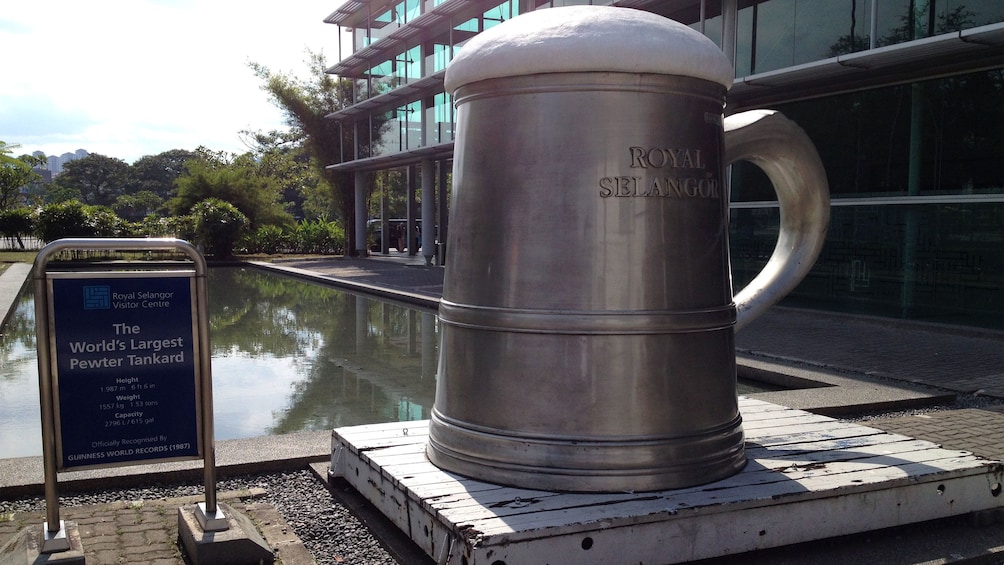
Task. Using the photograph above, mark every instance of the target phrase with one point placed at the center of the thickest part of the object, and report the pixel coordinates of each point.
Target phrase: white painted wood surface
(808, 477)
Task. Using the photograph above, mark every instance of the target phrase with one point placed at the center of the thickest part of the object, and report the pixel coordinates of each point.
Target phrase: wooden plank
(511, 526)
(773, 416)
(712, 536)
(837, 444)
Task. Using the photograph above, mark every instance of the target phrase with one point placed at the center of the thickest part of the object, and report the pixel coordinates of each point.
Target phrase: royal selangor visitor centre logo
(97, 297)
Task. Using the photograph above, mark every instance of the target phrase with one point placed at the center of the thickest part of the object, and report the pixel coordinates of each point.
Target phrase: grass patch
(17, 256)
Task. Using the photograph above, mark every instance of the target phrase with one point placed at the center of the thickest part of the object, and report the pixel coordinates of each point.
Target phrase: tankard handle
(786, 154)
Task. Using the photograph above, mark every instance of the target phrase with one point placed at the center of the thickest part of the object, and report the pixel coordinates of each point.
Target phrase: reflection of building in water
(904, 100)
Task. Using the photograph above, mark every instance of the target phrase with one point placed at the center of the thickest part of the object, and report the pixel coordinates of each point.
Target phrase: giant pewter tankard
(588, 317)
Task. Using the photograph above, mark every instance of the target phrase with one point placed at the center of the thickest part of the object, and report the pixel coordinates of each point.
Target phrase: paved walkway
(969, 362)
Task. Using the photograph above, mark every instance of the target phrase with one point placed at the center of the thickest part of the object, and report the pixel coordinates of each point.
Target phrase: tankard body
(587, 337)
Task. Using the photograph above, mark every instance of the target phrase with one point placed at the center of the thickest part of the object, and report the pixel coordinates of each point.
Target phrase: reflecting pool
(288, 356)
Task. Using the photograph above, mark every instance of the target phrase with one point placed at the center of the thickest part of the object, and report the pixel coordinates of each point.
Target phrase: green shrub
(103, 222)
(16, 223)
(62, 219)
(219, 226)
(267, 239)
(180, 227)
(320, 237)
(71, 218)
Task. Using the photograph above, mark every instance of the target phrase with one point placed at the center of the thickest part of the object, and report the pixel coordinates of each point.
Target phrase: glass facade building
(904, 100)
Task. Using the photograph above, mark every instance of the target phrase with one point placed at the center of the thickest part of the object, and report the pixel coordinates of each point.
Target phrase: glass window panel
(437, 53)
(360, 38)
(559, 3)
(827, 28)
(773, 34)
(411, 69)
(382, 78)
(440, 57)
(744, 42)
(383, 25)
(712, 29)
(439, 120)
(905, 20)
(932, 262)
(984, 12)
(389, 131)
(463, 32)
(773, 40)
(444, 117)
(496, 15)
(413, 125)
(400, 12)
(470, 25)
(411, 10)
(938, 137)
(384, 18)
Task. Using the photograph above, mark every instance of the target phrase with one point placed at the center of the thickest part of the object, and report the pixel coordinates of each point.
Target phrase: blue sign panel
(124, 356)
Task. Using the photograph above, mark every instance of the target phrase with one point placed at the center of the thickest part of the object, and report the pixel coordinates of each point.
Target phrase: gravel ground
(329, 530)
(962, 401)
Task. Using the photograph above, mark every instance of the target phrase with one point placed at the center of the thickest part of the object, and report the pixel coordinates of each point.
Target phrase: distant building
(904, 100)
(56, 164)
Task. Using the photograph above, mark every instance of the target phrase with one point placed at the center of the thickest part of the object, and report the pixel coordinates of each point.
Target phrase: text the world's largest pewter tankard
(588, 318)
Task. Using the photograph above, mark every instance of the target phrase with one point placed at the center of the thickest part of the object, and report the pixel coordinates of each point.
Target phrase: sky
(129, 78)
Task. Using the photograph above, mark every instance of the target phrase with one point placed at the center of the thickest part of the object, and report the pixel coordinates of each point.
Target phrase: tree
(15, 173)
(98, 179)
(305, 104)
(286, 161)
(135, 207)
(157, 173)
(238, 180)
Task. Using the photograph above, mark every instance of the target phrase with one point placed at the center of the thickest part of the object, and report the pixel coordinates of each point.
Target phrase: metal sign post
(124, 368)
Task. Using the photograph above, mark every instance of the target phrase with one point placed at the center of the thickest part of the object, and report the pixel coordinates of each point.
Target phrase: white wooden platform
(809, 477)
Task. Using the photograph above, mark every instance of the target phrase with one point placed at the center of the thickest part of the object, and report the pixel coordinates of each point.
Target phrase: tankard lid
(588, 39)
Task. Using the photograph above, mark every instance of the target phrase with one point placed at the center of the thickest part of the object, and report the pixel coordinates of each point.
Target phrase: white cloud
(127, 78)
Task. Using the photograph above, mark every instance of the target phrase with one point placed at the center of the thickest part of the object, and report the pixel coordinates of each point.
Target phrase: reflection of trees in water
(363, 359)
(340, 392)
(368, 372)
(17, 342)
(259, 313)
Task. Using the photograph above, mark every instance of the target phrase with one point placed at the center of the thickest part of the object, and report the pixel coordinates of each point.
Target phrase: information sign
(125, 367)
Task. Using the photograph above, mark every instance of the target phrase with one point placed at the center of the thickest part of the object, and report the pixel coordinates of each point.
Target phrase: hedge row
(215, 225)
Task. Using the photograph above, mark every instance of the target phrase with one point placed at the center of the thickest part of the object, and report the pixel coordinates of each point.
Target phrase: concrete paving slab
(12, 281)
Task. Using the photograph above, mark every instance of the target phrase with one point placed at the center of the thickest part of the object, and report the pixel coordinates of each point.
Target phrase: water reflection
(336, 358)
(20, 424)
(287, 356)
